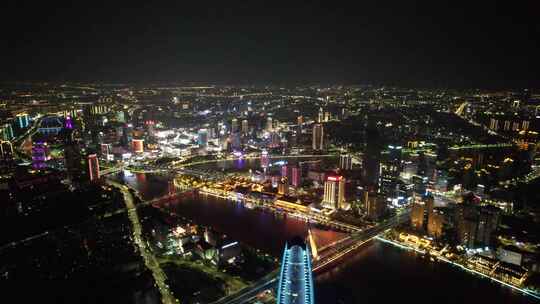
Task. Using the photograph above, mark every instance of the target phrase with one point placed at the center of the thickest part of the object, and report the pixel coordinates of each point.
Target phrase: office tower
(202, 138)
(265, 159)
(234, 125)
(127, 135)
(525, 125)
(327, 116)
(149, 125)
(345, 162)
(7, 132)
(275, 140)
(23, 120)
(283, 186)
(506, 125)
(6, 151)
(300, 120)
(236, 142)
(374, 205)
(121, 116)
(476, 224)
(93, 167)
(320, 116)
(296, 176)
(436, 220)
(269, 124)
(493, 124)
(40, 154)
(245, 127)
(68, 123)
(296, 278)
(417, 213)
(137, 145)
(334, 192)
(318, 137)
(371, 161)
(72, 160)
(284, 171)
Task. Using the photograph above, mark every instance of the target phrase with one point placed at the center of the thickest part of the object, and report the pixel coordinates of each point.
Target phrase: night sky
(439, 45)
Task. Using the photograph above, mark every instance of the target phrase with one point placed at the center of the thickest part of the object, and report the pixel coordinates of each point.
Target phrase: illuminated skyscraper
(417, 213)
(284, 171)
(7, 132)
(72, 159)
(93, 167)
(245, 126)
(283, 186)
(334, 192)
(320, 116)
(300, 120)
(295, 279)
(318, 137)
(202, 137)
(234, 125)
(137, 145)
(265, 159)
(269, 124)
(22, 120)
(296, 176)
(68, 123)
(345, 162)
(6, 151)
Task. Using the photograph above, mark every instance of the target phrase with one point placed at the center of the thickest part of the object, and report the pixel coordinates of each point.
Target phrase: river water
(376, 272)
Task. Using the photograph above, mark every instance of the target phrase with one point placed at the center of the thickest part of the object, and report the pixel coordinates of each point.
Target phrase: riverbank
(405, 246)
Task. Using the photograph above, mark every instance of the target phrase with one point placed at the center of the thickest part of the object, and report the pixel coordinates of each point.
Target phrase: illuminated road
(149, 259)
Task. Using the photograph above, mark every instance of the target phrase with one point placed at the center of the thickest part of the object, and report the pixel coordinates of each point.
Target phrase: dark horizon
(423, 45)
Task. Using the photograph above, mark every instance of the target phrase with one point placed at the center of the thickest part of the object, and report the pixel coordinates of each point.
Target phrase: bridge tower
(296, 279)
(312, 244)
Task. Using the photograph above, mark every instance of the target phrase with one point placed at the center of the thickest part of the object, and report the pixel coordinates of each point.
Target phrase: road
(150, 260)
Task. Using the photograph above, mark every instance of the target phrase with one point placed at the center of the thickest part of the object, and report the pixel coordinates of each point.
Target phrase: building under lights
(137, 145)
(334, 192)
(22, 120)
(318, 137)
(93, 167)
(295, 280)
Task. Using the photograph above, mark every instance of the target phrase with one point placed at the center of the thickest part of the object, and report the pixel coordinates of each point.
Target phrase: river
(376, 272)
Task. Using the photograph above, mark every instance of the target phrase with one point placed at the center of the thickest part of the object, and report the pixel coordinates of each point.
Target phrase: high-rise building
(334, 192)
(300, 120)
(318, 137)
(283, 186)
(265, 159)
(40, 154)
(372, 156)
(6, 151)
(374, 205)
(327, 116)
(137, 145)
(275, 140)
(72, 160)
(269, 124)
(234, 125)
(345, 162)
(7, 132)
(320, 116)
(296, 278)
(23, 120)
(121, 116)
(245, 127)
(68, 123)
(93, 167)
(296, 176)
(476, 224)
(435, 224)
(493, 124)
(418, 210)
(285, 171)
(202, 138)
